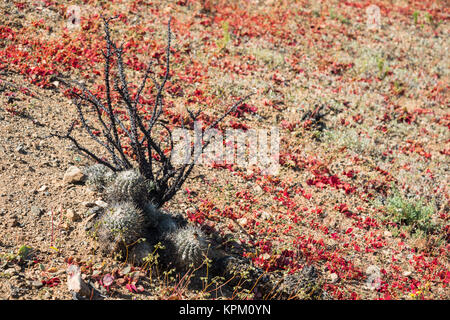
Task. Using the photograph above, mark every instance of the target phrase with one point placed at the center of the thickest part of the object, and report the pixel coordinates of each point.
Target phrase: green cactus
(121, 225)
(188, 246)
(129, 185)
(99, 176)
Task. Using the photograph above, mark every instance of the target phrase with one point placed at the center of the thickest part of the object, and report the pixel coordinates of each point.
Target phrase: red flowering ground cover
(362, 192)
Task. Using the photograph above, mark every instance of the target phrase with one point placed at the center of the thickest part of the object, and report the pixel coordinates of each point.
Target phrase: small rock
(42, 188)
(89, 223)
(242, 222)
(407, 273)
(94, 211)
(36, 284)
(72, 215)
(36, 211)
(101, 203)
(20, 149)
(10, 271)
(74, 281)
(266, 216)
(330, 221)
(334, 278)
(73, 175)
(76, 285)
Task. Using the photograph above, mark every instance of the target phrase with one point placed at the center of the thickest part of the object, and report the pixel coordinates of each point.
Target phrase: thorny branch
(152, 161)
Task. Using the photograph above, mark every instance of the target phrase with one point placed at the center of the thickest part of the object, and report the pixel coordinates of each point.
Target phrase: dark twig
(148, 153)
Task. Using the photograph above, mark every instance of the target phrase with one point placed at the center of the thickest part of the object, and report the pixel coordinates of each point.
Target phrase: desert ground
(359, 205)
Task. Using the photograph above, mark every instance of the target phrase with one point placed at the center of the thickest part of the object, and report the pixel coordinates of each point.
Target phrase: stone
(242, 222)
(36, 211)
(74, 281)
(72, 215)
(36, 284)
(94, 211)
(266, 216)
(101, 203)
(73, 175)
(10, 271)
(78, 287)
(20, 149)
(334, 278)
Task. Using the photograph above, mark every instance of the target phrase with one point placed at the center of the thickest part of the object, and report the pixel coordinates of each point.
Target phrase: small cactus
(129, 185)
(188, 246)
(121, 225)
(99, 176)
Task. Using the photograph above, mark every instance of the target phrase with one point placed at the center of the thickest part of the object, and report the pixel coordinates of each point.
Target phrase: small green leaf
(24, 251)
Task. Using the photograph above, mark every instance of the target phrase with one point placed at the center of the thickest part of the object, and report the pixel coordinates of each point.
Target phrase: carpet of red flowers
(386, 127)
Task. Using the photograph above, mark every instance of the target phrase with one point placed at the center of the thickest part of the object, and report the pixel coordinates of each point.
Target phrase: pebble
(20, 149)
(242, 222)
(101, 203)
(36, 284)
(10, 271)
(72, 215)
(73, 175)
(36, 211)
(266, 216)
(75, 282)
(89, 222)
(334, 278)
(94, 211)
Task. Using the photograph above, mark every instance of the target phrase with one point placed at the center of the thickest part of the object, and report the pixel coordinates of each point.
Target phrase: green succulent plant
(121, 225)
(129, 185)
(188, 246)
(99, 176)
